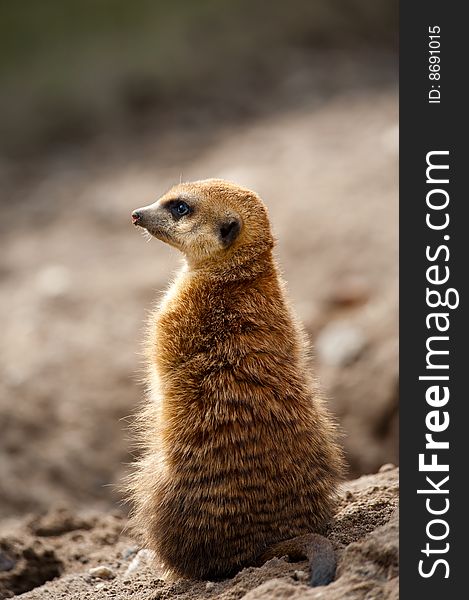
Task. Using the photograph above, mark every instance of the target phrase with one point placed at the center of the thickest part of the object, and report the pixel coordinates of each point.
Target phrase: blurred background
(106, 104)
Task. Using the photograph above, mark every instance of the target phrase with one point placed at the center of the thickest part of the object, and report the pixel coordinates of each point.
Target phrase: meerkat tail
(312, 546)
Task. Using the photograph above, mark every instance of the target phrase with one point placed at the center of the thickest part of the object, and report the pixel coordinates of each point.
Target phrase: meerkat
(239, 452)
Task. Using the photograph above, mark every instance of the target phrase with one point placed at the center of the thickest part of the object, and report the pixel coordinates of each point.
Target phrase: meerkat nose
(136, 217)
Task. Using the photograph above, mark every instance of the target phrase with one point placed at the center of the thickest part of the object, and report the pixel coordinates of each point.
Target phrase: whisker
(146, 235)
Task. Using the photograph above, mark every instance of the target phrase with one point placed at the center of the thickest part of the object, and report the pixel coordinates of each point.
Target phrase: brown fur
(239, 450)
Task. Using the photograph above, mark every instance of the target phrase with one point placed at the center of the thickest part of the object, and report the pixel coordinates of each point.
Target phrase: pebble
(339, 344)
(141, 559)
(209, 585)
(299, 575)
(102, 572)
(129, 552)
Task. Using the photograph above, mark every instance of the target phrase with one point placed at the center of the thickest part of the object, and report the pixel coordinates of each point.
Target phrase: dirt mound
(61, 554)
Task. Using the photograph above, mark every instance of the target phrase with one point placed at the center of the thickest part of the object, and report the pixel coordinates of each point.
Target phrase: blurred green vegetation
(71, 69)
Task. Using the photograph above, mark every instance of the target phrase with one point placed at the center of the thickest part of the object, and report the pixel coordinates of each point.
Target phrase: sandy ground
(77, 281)
(65, 555)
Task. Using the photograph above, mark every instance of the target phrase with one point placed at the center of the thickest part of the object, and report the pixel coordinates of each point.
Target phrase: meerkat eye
(179, 209)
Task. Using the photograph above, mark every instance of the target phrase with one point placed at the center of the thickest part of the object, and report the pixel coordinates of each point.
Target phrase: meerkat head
(208, 221)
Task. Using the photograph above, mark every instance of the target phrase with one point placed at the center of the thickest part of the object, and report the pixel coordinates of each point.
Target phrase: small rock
(102, 572)
(386, 467)
(142, 558)
(298, 575)
(339, 344)
(209, 585)
(129, 552)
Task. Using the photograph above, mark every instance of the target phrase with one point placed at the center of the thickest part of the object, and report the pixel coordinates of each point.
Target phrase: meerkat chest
(191, 320)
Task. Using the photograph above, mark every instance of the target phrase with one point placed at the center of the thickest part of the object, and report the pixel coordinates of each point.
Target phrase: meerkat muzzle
(136, 217)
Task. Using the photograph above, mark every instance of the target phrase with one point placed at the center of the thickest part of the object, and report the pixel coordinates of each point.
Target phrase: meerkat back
(239, 452)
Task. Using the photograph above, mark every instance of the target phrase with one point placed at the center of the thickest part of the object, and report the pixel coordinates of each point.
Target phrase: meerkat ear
(229, 231)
